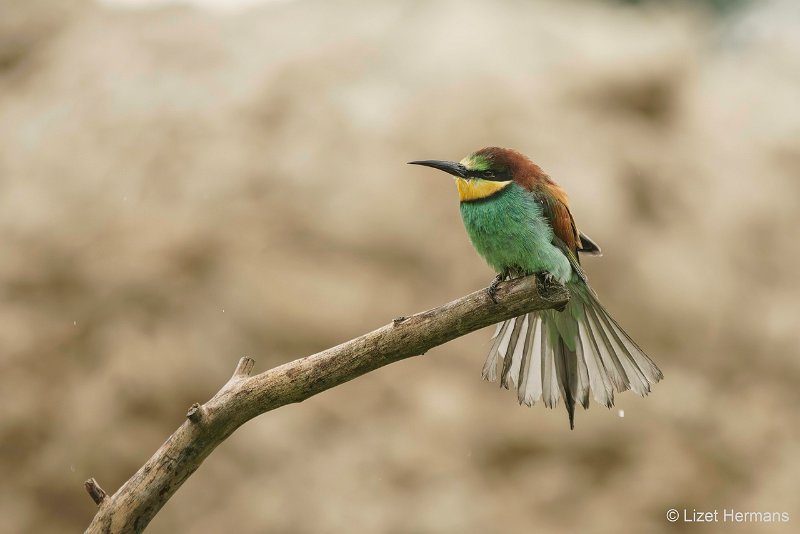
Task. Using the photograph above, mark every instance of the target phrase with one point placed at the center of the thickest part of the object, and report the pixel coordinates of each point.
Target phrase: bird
(518, 219)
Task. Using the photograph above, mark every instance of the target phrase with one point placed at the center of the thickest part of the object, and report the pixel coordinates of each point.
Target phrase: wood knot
(195, 413)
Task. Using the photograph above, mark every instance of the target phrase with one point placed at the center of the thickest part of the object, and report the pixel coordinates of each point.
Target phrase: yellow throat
(476, 189)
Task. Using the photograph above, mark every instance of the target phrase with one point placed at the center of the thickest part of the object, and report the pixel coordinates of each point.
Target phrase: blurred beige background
(181, 185)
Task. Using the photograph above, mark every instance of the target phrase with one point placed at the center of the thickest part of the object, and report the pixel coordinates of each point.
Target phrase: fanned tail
(550, 355)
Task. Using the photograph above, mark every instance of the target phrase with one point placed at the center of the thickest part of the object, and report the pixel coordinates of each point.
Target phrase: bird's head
(482, 174)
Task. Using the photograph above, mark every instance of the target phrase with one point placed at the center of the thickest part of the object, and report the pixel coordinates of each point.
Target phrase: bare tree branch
(132, 507)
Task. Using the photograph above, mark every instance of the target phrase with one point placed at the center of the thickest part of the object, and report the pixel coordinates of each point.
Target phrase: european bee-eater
(519, 220)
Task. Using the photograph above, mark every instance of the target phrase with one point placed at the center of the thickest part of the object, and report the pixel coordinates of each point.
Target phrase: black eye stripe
(494, 176)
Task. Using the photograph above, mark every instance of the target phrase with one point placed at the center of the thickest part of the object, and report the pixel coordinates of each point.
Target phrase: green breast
(509, 231)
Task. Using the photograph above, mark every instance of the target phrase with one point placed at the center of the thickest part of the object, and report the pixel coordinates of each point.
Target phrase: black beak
(450, 167)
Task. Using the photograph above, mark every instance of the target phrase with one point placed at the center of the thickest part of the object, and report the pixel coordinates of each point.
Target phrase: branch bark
(244, 397)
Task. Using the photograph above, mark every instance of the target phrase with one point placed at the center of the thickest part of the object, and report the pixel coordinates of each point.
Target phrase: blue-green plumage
(509, 230)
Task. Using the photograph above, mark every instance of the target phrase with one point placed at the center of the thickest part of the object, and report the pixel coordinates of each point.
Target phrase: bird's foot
(492, 289)
(549, 281)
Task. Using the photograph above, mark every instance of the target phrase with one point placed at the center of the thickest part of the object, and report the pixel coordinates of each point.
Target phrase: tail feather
(490, 367)
(550, 393)
(583, 375)
(599, 381)
(573, 354)
(567, 376)
(515, 350)
(638, 382)
(529, 388)
(512, 379)
(647, 367)
(613, 366)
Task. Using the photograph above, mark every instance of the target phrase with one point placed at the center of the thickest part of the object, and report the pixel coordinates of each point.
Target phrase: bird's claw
(492, 289)
(548, 281)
